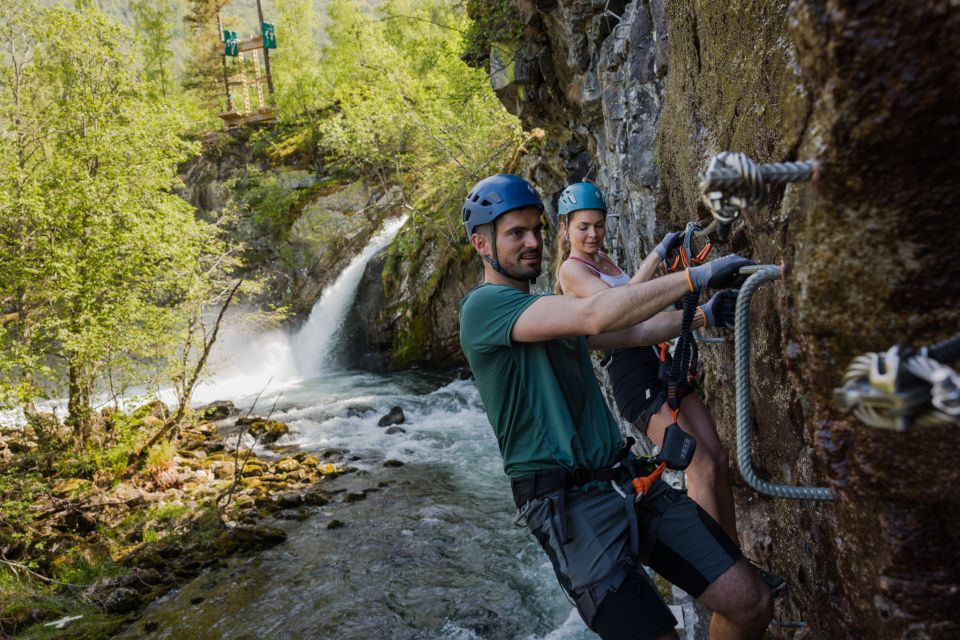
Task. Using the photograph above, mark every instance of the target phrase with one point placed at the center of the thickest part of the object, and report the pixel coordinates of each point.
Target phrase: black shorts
(637, 389)
(586, 535)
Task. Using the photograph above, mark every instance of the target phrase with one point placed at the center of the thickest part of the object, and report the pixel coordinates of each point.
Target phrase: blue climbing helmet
(580, 195)
(494, 196)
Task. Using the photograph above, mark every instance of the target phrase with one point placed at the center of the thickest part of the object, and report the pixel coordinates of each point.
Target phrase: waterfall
(246, 365)
(313, 342)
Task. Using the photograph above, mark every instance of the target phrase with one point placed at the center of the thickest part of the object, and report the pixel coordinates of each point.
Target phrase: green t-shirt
(542, 398)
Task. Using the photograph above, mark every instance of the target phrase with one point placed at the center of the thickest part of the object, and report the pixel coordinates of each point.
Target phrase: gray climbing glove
(720, 311)
(718, 274)
(670, 242)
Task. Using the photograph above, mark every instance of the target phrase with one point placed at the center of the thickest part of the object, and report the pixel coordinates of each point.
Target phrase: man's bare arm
(605, 311)
(660, 328)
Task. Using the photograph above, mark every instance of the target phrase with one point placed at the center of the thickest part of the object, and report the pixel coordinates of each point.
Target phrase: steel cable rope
(760, 274)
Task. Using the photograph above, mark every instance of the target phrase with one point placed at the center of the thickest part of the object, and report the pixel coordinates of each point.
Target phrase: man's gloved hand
(670, 242)
(718, 274)
(721, 310)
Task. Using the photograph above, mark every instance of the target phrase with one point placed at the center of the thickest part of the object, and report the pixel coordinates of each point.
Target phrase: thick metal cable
(761, 274)
(733, 182)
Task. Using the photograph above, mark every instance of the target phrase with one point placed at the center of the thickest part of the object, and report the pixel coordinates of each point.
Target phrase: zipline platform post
(236, 48)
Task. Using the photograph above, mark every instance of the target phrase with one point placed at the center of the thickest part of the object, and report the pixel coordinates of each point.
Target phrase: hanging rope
(900, 388)
(761, 274)
(733, 182)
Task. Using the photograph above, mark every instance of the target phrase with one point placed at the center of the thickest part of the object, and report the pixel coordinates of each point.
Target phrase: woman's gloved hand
(670, 242)
(721, 310)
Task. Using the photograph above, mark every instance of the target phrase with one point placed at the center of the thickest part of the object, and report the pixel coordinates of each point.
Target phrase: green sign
(230, 44)
(269, 35)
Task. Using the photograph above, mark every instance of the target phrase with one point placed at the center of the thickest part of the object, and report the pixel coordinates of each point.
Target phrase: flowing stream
(428, 552)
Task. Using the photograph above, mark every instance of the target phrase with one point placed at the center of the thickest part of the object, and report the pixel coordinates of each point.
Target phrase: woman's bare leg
(708, 477)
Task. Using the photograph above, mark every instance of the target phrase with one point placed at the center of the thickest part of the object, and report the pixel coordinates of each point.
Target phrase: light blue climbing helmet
(494, 196)
(581, 195)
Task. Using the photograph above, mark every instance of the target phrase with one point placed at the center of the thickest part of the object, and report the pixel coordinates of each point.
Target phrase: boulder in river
(394, 417)
(267, 431)
(359, 410)
(217, 410)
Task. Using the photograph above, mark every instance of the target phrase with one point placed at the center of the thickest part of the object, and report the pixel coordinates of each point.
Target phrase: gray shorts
(587, 535)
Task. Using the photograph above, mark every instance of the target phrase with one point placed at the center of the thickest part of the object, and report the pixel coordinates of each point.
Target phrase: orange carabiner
(703, 253)
(642, 484)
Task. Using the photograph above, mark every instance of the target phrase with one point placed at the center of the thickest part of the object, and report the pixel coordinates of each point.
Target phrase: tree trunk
(79, 412)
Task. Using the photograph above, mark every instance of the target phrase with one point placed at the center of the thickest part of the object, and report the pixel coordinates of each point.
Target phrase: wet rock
(393, 430)
(309, 461)
(359, 410)
(258, 536)
(392, 463)
(217, 410)
(288, 465)
(335, 524)
(267, 431)
(316, 496)
(298, 515)
(122, 600)
(288, 499)
(355, 496)
(213, 447)
(394, 417)
(155, 409)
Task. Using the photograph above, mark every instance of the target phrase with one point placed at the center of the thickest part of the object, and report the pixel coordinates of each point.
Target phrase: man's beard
(524, 270)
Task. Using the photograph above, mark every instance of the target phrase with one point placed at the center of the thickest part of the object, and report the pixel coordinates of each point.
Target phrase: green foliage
(99, 257)
(153, 22)
(407, 107)
(492, 21)
(160, 455)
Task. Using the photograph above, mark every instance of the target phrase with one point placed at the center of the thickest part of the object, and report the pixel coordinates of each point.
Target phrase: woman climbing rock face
(583, 269)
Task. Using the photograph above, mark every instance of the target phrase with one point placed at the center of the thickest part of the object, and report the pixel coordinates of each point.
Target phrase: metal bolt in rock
(733, 181)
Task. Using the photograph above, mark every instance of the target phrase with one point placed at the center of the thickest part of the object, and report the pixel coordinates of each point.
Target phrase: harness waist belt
(542, 483)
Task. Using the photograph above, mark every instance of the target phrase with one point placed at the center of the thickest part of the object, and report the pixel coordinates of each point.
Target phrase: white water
(245, 365)
(311, 345)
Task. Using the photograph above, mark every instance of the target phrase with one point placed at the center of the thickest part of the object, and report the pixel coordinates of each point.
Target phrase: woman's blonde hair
(562, 252)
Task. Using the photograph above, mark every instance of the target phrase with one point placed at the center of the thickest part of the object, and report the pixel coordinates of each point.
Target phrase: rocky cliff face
(296, 232)
(638, 96)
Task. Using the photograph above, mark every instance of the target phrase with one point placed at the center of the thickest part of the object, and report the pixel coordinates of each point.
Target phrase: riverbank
(88, 541)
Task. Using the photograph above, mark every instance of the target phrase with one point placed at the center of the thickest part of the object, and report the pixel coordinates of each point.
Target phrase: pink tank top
(613, 281)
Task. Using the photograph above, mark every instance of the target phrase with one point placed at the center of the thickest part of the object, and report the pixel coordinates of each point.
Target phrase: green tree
(302, 95)
(203, 75)
(23, 169)
(153, 24)
(98, 251)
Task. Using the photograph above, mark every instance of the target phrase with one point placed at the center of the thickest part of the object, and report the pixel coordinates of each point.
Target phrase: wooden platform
(232, 119)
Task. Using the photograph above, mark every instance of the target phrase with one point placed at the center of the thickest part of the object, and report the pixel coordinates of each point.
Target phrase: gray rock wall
(638, 96)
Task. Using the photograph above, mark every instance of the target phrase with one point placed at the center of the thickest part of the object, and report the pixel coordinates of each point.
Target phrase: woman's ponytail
(562, 252)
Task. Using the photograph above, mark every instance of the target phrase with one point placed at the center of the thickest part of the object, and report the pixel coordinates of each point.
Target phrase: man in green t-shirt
(561, 446)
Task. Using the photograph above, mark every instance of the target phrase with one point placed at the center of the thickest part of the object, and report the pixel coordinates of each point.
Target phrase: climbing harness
(901, 386)
(733, 181)
(761, 274)
(677, 374)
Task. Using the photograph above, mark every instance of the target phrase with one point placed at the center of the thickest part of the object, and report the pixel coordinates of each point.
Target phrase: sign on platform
(230, 45)
(269, 35)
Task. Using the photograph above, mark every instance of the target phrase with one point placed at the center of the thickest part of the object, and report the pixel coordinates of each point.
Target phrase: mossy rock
(267, 431)
(72, 488)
